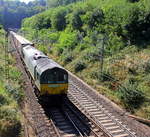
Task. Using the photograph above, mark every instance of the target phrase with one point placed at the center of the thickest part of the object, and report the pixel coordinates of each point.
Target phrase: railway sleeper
(109, 124)
(117, 131)
(106, 121)
(112, 128)
(122, 135)
(69, 135)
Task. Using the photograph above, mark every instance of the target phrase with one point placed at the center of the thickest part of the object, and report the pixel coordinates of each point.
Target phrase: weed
(3, 100)
(68, 58)
(15, 93)
(103, 76)
(79, 66)
(132, 97)
(59, 51)
(147, 66)
(9, 123)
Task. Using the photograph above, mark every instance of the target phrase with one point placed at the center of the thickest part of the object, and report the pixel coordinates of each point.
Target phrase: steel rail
(100, 107)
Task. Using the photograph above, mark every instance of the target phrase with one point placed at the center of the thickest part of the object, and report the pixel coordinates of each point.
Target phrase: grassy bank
(75, 35)
(11, 96)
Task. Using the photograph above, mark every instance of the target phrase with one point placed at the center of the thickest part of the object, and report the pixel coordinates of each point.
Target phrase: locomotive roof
(32, 51)
(21, 39)
(44, 64)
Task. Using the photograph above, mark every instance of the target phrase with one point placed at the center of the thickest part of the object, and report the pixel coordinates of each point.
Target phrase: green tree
(58, 19)
(75, 19)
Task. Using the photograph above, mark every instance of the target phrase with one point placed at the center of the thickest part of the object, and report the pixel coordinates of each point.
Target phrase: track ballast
(89, 104)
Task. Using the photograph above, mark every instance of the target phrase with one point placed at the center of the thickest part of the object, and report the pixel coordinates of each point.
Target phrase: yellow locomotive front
(54, 82)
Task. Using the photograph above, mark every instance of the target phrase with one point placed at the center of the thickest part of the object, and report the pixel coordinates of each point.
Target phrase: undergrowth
(11, 96)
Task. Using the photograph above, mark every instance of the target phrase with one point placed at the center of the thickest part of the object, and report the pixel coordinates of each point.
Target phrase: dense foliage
(56, 3)
(105, 42)
(12, 12)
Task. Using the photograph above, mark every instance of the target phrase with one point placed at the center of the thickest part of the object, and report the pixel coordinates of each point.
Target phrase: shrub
(59, 50)
(92, 55)
(133, 0)
(95, 17)
(104, 76)
(68, 40)
(3, 100)
(9, 123)
(14, 74)
(68, 58)
(40, 22)
(43, 48)
(75, 20)
(53, 37)
(79, 66)
(147, 66)
(15, 93)
(58, 19)
(131, 96)
(81, 47)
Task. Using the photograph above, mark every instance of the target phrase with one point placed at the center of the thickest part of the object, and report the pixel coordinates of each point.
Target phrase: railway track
(70, 122)
(42, 126)
(89, 104)
(66, 121)
(48, 128)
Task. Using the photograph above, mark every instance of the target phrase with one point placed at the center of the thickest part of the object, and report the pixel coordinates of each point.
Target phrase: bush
(147, 66)
(94, 17)
(14, 74)
(3, 100)
(92, 55)
(75, 20)
(79, 66)
(9, 123)
(131, 96)
(133, 0)
(68, 58)
(53, 37)
(82, 47)
(41, 22)
(59, 51)
(68, 40)
(43, 48)
(17, 94)
(104, 76)
(58, 19)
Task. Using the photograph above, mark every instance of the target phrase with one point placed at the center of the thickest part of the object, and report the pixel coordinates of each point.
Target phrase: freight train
(49, 78)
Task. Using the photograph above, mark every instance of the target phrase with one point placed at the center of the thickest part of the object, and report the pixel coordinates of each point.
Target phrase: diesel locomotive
(50, 79)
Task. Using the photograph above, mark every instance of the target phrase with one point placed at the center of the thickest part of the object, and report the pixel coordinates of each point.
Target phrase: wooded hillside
(106, 43)
(12, 12)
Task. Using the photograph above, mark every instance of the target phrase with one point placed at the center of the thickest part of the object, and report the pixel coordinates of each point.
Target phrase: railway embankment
(11, 94)
(100, 105)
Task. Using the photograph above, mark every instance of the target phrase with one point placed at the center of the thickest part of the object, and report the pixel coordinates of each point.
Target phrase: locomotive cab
(53, 85)
(54, 81)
